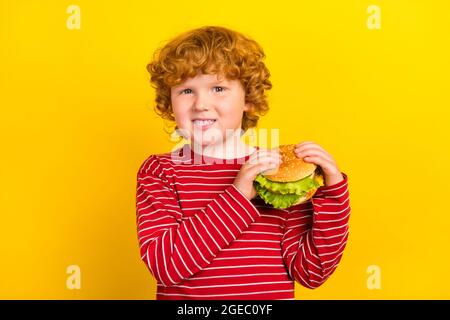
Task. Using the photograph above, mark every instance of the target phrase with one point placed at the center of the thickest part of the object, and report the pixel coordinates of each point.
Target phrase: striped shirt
(201, 238)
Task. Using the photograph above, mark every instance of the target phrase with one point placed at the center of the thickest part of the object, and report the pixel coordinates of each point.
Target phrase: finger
(326, 165)
(304, 143)
(261, 157)
(264, 154)
(263, 167)
(265, 160)
(270, 170)
(274, 150)
(315, 152)
(310, 146)
(256, 155)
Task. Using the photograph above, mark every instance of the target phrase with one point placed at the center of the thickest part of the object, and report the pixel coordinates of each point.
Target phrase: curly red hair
(211, 50)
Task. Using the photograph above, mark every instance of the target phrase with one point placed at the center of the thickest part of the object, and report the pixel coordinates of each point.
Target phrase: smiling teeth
(201, 123)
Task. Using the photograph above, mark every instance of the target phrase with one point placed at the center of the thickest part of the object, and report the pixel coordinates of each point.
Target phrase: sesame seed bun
(292, 168)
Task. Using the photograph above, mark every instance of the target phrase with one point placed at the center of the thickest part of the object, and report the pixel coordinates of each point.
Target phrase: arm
(174, 248)
(315, 235)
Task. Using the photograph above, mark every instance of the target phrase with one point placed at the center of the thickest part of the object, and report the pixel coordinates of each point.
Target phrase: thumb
(263, 168)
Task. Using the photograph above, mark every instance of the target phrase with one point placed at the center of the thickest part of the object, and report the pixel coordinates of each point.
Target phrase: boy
(203, 233)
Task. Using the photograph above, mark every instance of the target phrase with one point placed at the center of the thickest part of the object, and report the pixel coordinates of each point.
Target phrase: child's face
(205, 97)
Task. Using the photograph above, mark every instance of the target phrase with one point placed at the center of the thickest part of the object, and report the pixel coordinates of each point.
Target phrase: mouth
(203, 124)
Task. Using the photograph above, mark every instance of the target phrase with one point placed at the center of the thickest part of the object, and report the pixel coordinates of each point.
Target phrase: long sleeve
(315, 235)
(173, 247)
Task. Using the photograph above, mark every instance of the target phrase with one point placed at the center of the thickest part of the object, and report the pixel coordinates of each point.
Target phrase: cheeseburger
(293, 182)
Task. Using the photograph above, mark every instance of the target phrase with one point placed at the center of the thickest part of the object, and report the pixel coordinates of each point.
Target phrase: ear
(248, 107)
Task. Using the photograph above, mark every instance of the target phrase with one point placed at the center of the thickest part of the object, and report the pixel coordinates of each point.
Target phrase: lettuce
(298, 187)
(282, 195)
(278, 201)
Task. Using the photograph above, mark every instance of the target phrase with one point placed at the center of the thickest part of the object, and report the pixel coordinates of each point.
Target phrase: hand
(259, 161)
(312, 152)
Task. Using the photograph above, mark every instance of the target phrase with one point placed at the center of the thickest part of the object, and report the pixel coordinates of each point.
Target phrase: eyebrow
(217, 81)
(223, 82)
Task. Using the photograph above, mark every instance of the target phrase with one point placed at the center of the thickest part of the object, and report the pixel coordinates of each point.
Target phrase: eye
(221, 89)
(183, 91)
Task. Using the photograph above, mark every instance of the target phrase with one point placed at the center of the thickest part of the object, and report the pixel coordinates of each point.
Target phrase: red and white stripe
(201, 238)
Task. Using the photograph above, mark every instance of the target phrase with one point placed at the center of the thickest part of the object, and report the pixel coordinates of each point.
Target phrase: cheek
(231, 109)
(181, 114)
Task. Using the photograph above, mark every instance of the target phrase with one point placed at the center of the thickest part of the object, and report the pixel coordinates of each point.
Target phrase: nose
(201, 103)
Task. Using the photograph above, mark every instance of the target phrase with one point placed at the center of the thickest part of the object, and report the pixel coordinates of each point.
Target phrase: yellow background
(77, 121)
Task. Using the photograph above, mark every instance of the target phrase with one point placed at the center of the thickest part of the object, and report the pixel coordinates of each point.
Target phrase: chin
(205, 143)
(208, 138)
